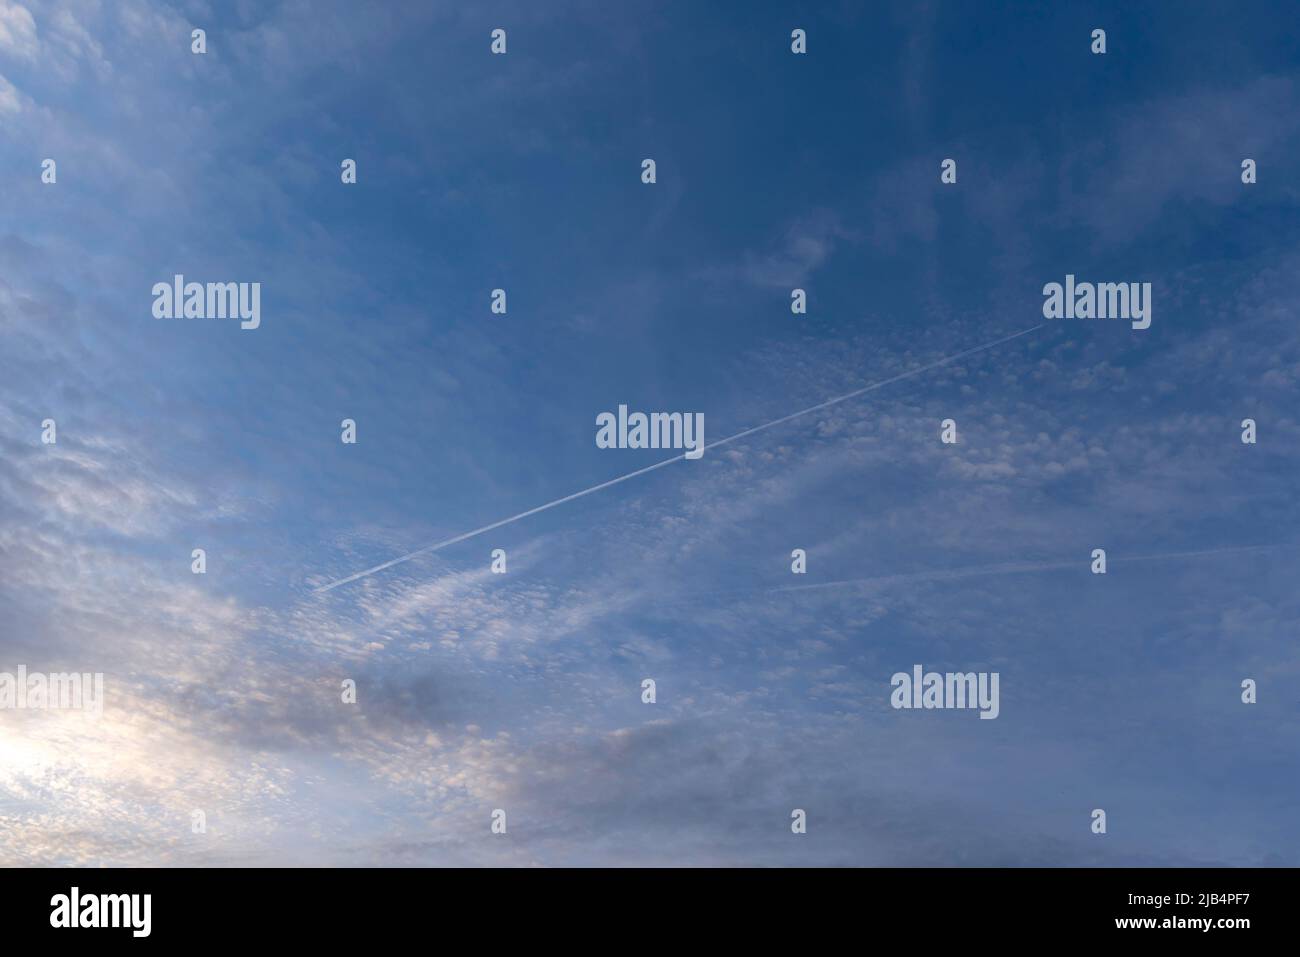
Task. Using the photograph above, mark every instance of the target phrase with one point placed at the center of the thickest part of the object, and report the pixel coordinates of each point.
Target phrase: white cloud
(17, 31)
(12, 100)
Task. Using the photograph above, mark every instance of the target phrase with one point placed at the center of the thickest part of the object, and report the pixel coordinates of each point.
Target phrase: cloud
(1185, 147)
(17, 31)
(12, 100)
(806, 245)
(522, 691)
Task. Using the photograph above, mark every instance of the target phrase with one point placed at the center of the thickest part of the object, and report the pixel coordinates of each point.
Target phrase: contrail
(677, 458)
(971, 571)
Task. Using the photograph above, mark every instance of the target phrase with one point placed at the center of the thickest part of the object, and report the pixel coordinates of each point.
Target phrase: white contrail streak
(677, 458)
(1015, 568)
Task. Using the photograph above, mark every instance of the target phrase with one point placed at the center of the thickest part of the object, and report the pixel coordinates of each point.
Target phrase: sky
(522, 691)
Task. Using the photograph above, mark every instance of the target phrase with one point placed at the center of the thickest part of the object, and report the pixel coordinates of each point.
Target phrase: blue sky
(523, 692)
